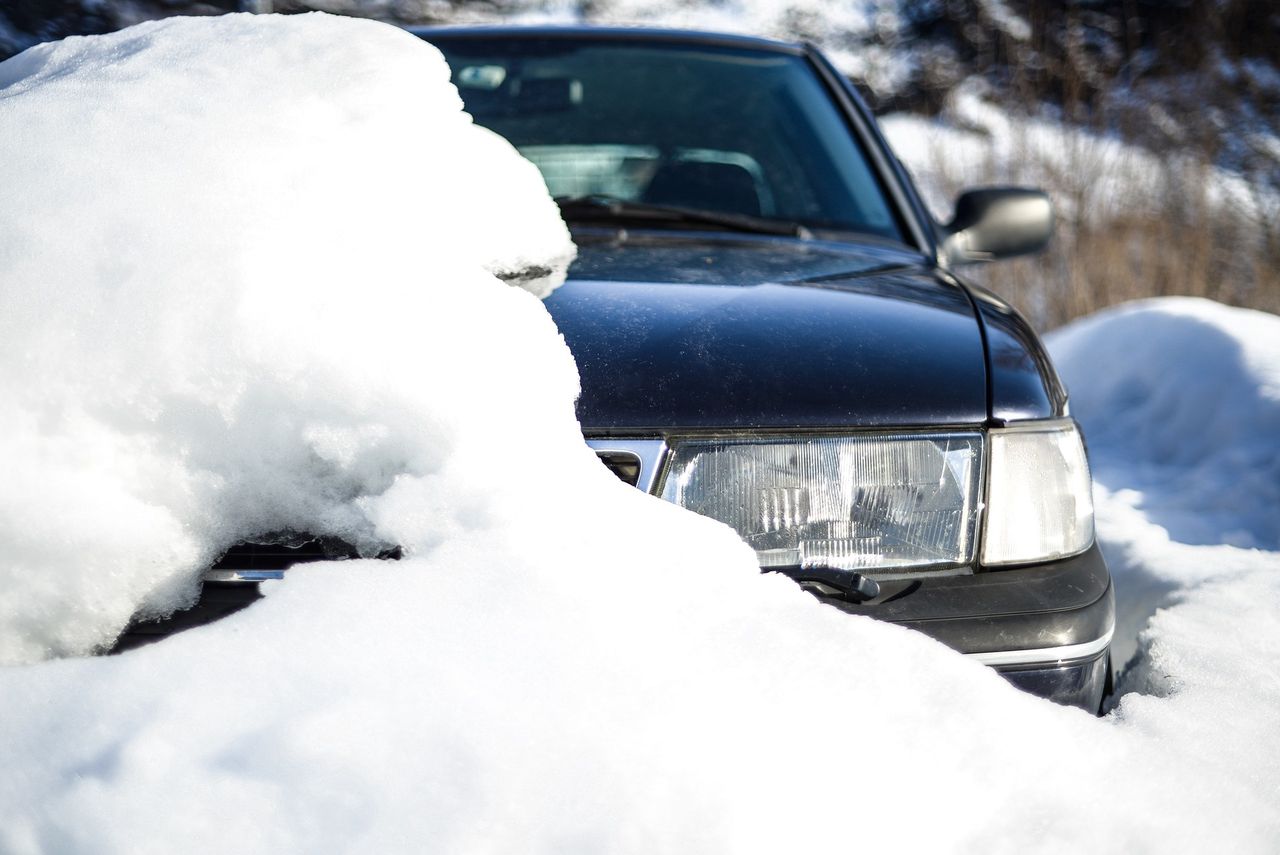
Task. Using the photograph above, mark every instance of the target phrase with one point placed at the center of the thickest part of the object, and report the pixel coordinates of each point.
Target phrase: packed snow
(561, 663)
(224, 245)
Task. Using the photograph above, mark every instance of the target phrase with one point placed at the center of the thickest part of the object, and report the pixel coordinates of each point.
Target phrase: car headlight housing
(1039, 494)
(894, 503)
(856, 502)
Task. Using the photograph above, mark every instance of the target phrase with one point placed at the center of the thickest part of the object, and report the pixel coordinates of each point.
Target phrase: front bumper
(1046, 627)
(1083, 683)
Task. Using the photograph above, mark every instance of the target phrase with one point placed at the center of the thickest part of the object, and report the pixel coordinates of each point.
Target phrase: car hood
(673, 333)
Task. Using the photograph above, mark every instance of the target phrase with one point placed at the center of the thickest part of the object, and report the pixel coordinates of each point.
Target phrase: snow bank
(1181, 401)
(225, 247)
(562, 663)
(1193, 420)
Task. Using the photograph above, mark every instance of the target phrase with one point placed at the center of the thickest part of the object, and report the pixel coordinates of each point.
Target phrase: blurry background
(1155, 124)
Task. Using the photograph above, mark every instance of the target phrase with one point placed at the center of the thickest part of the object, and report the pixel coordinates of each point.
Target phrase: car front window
(727, 129)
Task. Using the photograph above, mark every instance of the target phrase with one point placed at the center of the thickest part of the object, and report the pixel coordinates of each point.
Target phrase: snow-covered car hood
(696, 333)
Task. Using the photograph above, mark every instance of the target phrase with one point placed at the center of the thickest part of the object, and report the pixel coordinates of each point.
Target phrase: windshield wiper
(850, 584)
(610, 208)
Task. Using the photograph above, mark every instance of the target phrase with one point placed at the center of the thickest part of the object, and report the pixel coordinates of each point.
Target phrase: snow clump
(227, 248)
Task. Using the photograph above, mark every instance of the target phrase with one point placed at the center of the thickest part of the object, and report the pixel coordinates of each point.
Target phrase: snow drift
(224, 250)
(561, 663)
(1211, 469)
(1181, 401)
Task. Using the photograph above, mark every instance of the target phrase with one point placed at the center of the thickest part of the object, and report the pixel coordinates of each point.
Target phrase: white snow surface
(224, 247)
(1180, 398)
(1210, 472)
(561, 663)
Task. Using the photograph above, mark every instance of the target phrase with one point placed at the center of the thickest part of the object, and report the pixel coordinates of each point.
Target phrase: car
(771, 331)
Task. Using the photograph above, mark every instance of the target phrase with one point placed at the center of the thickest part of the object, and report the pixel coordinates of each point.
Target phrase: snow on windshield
(248, 287)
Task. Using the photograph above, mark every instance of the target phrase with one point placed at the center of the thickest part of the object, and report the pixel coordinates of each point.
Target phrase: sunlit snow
(247, 286)
(226, 250)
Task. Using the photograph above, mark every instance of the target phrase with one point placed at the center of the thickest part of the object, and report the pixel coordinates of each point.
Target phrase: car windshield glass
(708, 127)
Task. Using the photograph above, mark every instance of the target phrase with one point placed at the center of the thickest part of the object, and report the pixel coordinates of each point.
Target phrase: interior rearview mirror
(998, 222)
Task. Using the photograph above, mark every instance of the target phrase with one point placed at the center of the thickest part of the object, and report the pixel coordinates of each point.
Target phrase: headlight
(853, 502)
(1039, 503)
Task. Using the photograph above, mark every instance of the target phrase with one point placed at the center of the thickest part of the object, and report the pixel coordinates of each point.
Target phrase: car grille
(258, 562)
(636, 461)
(624, 464)
(278, 556)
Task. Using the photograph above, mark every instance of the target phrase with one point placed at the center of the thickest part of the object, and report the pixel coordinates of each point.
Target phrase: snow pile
(562, 663)
(1195, 427)
(224, 250)
(1181, 401)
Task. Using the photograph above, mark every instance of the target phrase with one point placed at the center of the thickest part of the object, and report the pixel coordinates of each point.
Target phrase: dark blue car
(770, 332)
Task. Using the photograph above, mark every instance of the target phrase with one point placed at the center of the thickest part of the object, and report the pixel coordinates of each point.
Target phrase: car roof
(621, 34)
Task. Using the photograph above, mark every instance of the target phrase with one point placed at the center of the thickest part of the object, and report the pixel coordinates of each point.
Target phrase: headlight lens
(853, 502)
(1039, 504)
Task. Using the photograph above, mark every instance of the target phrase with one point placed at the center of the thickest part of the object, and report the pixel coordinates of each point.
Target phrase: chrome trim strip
(1038, 426)
(1045, 655)
(650, 453)
(896, 574)
(241, 575)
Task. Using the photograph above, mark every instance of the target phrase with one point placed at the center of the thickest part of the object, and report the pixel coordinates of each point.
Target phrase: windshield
(726, 129)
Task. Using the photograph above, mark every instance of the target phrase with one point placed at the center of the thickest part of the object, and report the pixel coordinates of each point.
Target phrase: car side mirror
(991, 223)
